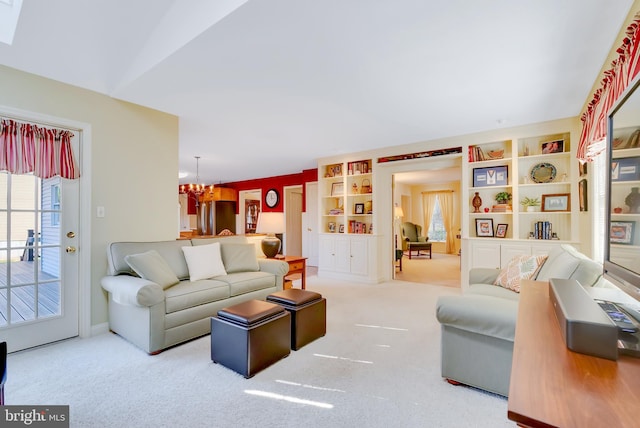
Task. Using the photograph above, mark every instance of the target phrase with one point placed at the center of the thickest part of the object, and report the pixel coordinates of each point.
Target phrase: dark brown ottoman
(308, 314)
(250, 336)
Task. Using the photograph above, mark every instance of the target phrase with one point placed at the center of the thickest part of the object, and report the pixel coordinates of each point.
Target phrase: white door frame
(84, 232)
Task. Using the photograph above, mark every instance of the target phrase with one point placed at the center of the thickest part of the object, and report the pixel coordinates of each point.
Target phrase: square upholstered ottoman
(250, 336)
(308, 314)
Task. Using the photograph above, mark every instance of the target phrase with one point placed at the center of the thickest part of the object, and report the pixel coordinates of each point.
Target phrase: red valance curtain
(27, 148)
(615, 81)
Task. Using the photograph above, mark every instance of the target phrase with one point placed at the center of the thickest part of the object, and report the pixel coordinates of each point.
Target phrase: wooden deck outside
(23, 297)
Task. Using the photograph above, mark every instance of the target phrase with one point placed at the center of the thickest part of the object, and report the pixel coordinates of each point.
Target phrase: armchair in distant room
(412, 240)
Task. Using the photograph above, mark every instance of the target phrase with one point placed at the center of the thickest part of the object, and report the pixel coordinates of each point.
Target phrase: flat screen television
(622, 219)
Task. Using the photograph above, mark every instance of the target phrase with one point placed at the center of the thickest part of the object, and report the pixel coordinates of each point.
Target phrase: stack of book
(542, 230)
(476, 154)
(502, 208)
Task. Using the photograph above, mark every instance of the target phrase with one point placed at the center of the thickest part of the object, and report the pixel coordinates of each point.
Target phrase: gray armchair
(411, 239)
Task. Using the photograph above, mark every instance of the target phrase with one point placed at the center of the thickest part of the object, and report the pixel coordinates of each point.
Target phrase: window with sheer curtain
(438, 216)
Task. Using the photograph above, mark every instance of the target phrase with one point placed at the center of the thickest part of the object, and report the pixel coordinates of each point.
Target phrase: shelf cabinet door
(358, 256)
(485, 255)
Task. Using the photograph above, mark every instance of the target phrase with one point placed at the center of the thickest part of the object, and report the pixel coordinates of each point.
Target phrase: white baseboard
(99, 329)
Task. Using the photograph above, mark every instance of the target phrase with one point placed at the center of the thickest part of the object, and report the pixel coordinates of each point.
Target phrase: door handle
(70, 250)
(71, 234)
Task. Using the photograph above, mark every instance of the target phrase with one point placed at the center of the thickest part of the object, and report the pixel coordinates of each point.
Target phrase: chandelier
(194, 189)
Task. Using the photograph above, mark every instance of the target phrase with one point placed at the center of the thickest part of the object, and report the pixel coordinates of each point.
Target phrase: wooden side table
(297, 265)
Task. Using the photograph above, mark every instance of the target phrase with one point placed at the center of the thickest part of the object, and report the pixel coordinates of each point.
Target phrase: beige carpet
(377, 367)
(442, 269)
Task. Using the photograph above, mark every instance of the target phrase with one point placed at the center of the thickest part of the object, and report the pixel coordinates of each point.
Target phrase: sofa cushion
(519, 268)
(188, 294)
(568, 263)
(151, 266)
(245, 282)
(239, 257)
(204, 261)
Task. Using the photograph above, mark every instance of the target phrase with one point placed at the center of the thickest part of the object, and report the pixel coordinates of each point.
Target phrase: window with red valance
(623, 70)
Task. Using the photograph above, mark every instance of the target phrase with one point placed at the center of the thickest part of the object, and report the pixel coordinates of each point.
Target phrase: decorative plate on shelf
(543, 173)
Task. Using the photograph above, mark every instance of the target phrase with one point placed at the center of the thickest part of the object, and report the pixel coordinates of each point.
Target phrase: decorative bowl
(495, 154)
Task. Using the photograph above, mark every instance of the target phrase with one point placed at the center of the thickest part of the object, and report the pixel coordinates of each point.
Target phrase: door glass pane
(49, 299)
(22, 304)
(23, 192)
(22, 234)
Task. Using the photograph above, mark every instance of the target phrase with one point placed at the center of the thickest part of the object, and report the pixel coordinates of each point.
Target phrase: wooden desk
(297, 265)
(552, 386)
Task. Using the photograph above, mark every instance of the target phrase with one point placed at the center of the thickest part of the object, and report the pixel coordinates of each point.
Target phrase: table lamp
(270, 223)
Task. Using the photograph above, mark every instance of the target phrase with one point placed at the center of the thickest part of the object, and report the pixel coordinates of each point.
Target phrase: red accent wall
(279, 183)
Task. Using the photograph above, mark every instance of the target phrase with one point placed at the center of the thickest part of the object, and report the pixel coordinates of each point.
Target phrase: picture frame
(501, 230)
(341, 228)
(491, 176)
(558, 202)
(337, 189)
(358, 209)
(332, 226)
(582, 195)
(484, 227)
(622, 232)
(625, 169)
(582, 168)
(549, 147)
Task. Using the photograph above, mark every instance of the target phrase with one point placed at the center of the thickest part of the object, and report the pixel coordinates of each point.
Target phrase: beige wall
(133, 165)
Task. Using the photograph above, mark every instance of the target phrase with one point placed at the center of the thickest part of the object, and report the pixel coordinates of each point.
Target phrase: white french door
(39, 270)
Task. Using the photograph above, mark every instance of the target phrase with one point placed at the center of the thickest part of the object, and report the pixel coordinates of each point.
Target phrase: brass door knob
(71, 250)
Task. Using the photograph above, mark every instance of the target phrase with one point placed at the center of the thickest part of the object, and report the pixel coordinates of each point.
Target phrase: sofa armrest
(485, 315)
(274, 266)
(483, 275)
(131, 290)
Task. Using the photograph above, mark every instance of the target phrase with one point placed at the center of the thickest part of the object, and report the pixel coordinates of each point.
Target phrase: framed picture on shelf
(341, 228)
(558, 202)
(501, 230)
(582, 168)
(621, 232)
(484, 227)
(556, 146)
(582, 194)
(332, 227)
(337, 189)
(359, 209)
(625, 169)
(491, 176)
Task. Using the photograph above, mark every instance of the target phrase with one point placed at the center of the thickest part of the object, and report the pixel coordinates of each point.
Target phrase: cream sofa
(478, 328)
(153, 313)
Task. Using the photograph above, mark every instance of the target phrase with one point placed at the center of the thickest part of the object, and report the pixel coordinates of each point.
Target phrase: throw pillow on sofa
(239, 258)
(519, 268)
(204, 261)
(151, 266)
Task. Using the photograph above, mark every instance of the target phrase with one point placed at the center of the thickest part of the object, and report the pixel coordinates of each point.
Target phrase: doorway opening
(425, 197)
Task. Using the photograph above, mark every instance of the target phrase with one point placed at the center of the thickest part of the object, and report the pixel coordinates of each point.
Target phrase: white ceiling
(265, 87)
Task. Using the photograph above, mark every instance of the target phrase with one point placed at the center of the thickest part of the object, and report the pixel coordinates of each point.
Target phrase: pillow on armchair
(411, 233)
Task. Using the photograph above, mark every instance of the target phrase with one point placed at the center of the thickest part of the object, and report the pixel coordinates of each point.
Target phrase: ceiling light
(196, 188)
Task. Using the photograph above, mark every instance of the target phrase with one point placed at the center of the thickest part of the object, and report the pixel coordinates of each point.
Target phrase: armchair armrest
(422, 239)
(131, 290)
(483, 275)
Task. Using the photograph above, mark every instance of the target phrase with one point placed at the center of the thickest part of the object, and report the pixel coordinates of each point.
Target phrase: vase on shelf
(633, 200)
(476, 202)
